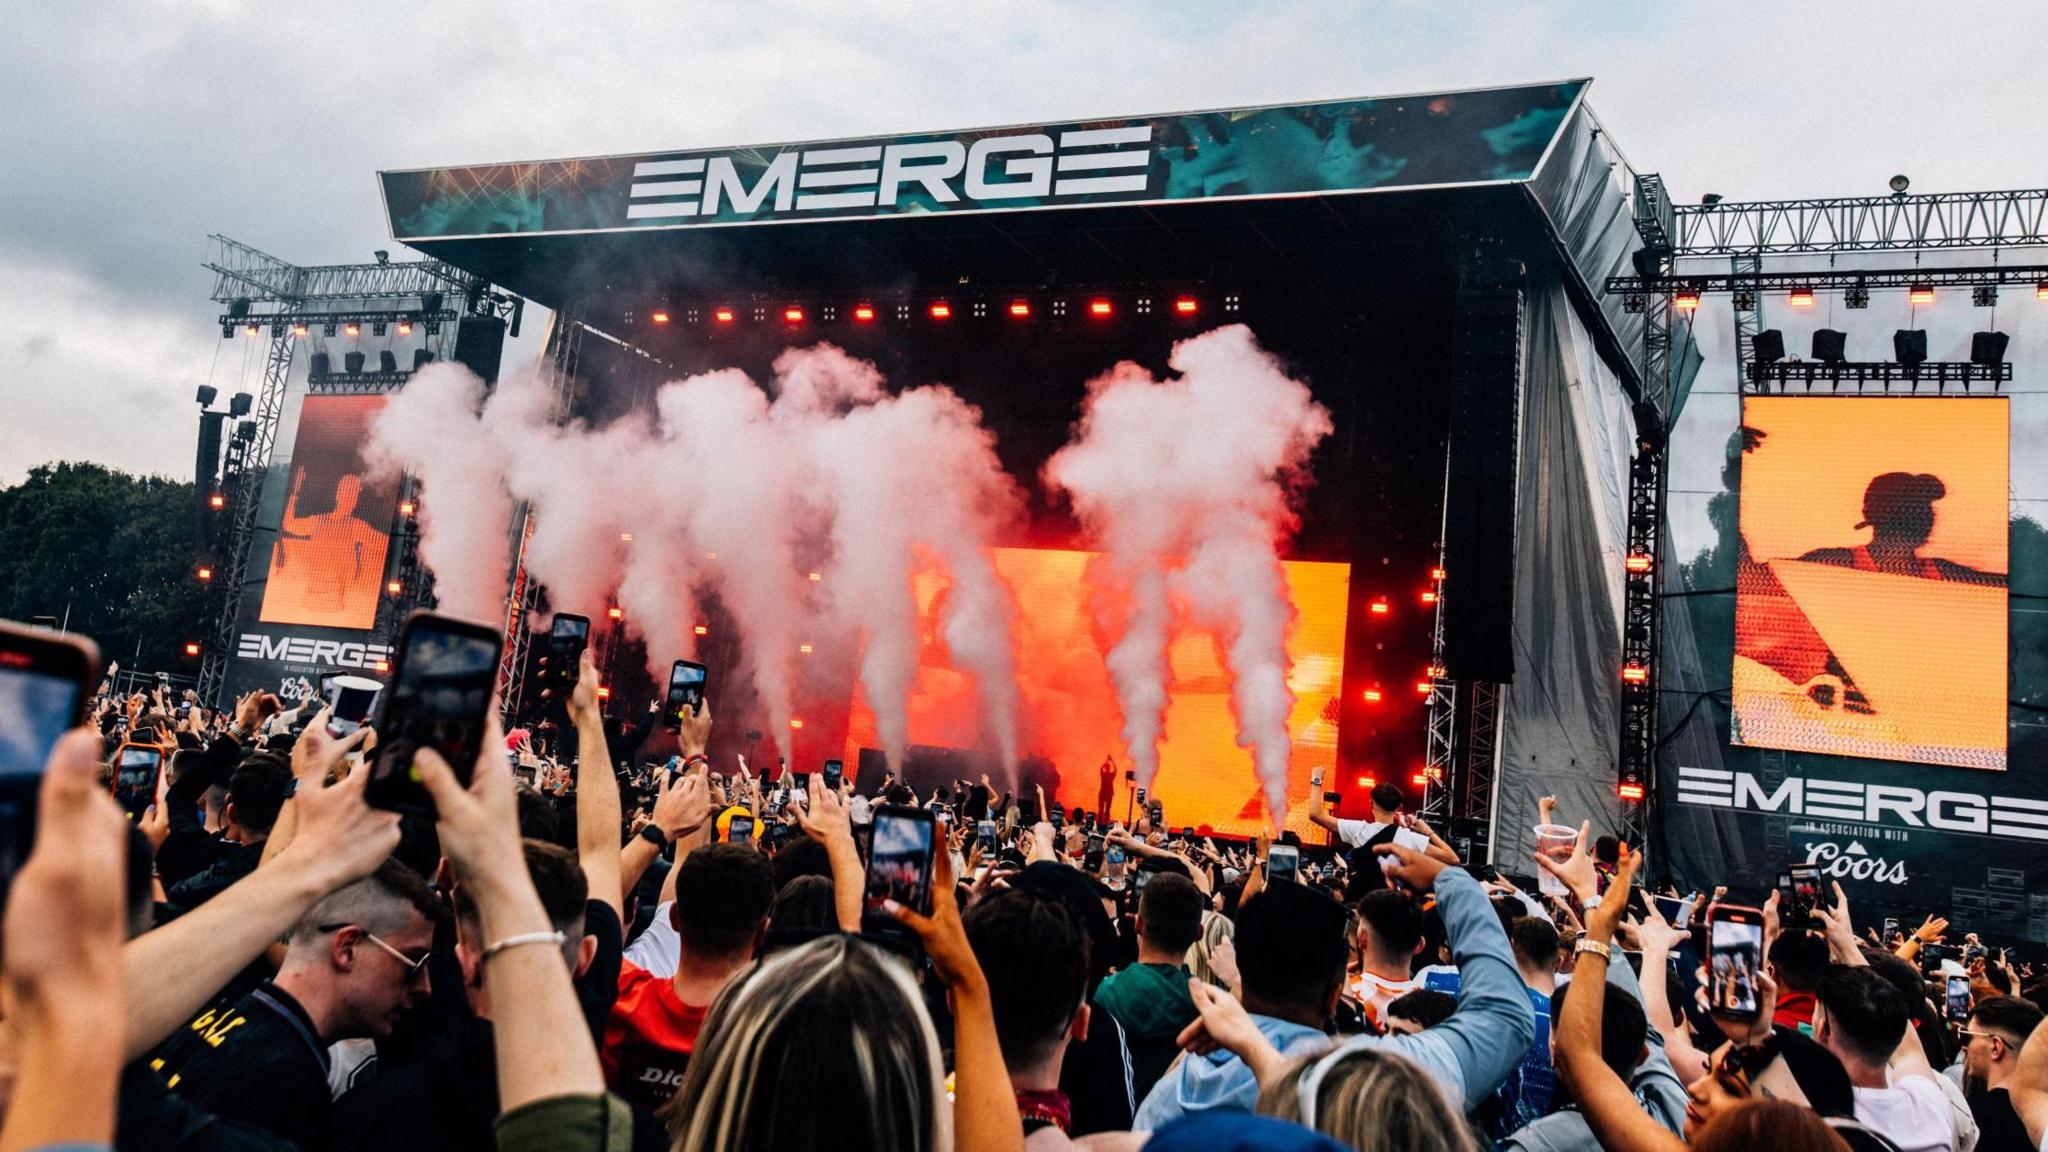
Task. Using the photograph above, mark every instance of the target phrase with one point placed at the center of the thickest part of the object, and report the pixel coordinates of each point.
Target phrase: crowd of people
(571, 952)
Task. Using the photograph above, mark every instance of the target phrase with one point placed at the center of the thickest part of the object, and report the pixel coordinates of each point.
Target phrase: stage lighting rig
(1984, 296)
(207, 394)
(239, 405)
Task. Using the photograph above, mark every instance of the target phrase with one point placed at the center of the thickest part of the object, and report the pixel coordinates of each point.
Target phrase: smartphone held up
(45, 679)
(440, 697)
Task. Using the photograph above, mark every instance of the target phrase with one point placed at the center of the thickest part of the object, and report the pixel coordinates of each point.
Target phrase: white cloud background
(131, 129)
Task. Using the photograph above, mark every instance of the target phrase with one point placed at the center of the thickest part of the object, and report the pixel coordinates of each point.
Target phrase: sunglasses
(413, 968)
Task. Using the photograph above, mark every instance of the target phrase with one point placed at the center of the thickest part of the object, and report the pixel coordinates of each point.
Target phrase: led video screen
(1070, 715)
(327, 567)
(1870, 615)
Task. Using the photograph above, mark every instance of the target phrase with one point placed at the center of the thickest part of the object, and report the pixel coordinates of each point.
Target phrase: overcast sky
(128, 135)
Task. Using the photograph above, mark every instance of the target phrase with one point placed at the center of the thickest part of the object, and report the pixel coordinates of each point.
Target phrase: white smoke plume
(1186, 485)
(722, 492)
(431, 429)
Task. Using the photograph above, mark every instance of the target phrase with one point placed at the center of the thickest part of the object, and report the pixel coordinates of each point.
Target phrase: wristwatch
(655, 836)
(1604, 951)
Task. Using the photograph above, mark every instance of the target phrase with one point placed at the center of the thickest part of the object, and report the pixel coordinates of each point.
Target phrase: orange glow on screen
(1870, 614)
(327, 569)
(1070, 714)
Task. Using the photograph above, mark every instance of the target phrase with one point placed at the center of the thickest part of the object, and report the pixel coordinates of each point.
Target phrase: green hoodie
(1151, 1001)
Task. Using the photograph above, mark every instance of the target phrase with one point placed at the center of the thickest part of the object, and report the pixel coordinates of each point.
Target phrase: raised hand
(1414, 870)
(1576, 871)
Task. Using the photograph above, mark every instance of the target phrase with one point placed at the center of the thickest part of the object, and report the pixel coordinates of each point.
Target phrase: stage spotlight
(1021, 309)
(796, 723)
(1380, 607)
(386, 362)
(239, 405)
(352, 362)
(319, 365)
(430, 301)
(227, 331)
(1988, 348)
(1638, 562)
(276, 329)
(354, 330)
(1909, 346)
(723, 315)
(207, 395)
(1422, 687)
(394, 588)
(192, 648)
(253, 329)
(792, 315)
(1185, 305)
(405, 327)
(1634, 673)
(238, 307)
(1686, 300)
(1800, 297)
(1856, 296)
(1830, 346)
(405, 508)
(815, 576)
(1367, 783)
(1920, 292)
(1742, 300)
(421, 357)
(1899, 184)
(2041, 290)
(1984, 296)
(1768, 346)
(205, 573)
(1098, 308)
(659, 315)
(1429, 597)
(216, 501)
(701, 630)
(1372, 696)
(615, 613)
(1709, 199)
(298, 329)
(1419, 779)
(1629, 791)
(433, 327)
(377, 328)
(1650, 264)
(1436, 574)
(940, 310)
(804, 648)
(864, 313)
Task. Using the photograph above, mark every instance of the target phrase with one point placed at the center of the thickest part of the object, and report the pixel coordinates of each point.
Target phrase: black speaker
(1830, 346)
(421, 357)
(1909, 346)
(1988, 348)
(1768, 346)
(1479, 489)
(386, 362)
(319, 365)
(352, 362)
(430, 301)
(480, 345)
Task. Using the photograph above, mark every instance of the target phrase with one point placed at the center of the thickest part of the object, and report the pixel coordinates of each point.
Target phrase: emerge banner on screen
(1870, 615)
(327, 568)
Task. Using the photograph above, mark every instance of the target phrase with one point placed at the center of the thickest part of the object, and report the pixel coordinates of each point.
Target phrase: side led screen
(1870, 614)
(327, 567)
(1071, 723)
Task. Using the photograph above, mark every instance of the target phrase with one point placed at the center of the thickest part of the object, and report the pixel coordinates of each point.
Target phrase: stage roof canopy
(1189, 198)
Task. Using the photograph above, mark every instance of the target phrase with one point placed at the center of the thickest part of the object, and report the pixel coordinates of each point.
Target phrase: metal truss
(1637, 770)
(1479, 773)
(2030, 276)
(1863, 224)
(244, 493)
(1441, 713)
(242, 272)
(563, 354)
(1937, 374)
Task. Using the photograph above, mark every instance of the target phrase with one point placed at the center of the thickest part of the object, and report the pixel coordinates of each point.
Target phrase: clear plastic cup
(1557, 842)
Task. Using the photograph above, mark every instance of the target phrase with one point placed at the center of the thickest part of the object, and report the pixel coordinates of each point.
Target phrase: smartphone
(740, 830)
(1283, 862)
(45, 679)
(1056, 815)
(1958, 998)
(353, 699)
(1673, 910)
(900, 851)
(1735, 946)
(685, 690)
(1333, 797)
(1139, 881)
(441, 683)
(801, 781)
(835, 775)
(1158, 813)
(136, 768)
(1891, 930)
(1932, 957)
(1407, 838)
(1805, 894)
(1141, 797)
(1113, 860)
(985, 832)
(567, 637)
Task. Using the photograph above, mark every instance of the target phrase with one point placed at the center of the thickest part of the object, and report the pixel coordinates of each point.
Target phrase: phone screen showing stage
(135, 779)
(35, 710)
(900, 858)
(440, 698)
(1735, 958)
(685, 688)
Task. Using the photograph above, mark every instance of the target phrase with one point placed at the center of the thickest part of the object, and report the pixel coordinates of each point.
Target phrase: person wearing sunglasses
(351, 968)
(1997, 1029)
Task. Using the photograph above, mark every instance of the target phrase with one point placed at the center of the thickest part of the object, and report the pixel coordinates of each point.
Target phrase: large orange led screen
(327, 568)
(1870, 610)
(1070, 715)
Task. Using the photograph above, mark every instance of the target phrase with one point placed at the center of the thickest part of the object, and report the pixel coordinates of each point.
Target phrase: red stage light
(354, 330)
(405, 327)
(1634, 673)
(1630, 791)
(205, 573)
(659, 316)
(383, 665)
(191, 648)
(1800, 297)
(1372, 695)
(2041, 290)
(1922, 292)
(1185, 305)
(864, 313)
(1436, 574)
(405, 508)
(1098, 308)
(1020, 308)
(394, 587)
(216, 501)
(941, 310)
(1380, 607)
(1637, 562)
(796, 723)
(701, 630)
(1429, 597)
(615, 612)
(804, 648)
(793, 315)
(722, 315)
(1422, 687)
(1687, 299)
(1435, 670)
(1419, 779)
(252, 329)
(298, 329)
(816, 576)
(1365, 782)
(603, 693)
(626, 537)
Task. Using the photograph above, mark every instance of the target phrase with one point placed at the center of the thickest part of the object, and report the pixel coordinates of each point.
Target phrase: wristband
(655, 836)
(694, 759)
(554, 938)
(1583, 946)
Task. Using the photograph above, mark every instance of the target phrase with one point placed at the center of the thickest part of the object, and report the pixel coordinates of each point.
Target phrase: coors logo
(1854, 863)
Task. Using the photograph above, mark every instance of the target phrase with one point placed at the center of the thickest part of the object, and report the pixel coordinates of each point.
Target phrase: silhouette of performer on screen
(342, 548)
(1898, 508)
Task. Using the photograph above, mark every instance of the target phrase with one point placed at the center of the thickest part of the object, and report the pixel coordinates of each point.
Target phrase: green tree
(115, 552)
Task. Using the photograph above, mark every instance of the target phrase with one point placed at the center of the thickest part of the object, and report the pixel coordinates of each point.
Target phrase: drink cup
(1557, 842)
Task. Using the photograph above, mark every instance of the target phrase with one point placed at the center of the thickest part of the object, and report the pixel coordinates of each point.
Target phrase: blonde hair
(1216, 928)
(823, 1046)
(1373, 1100)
